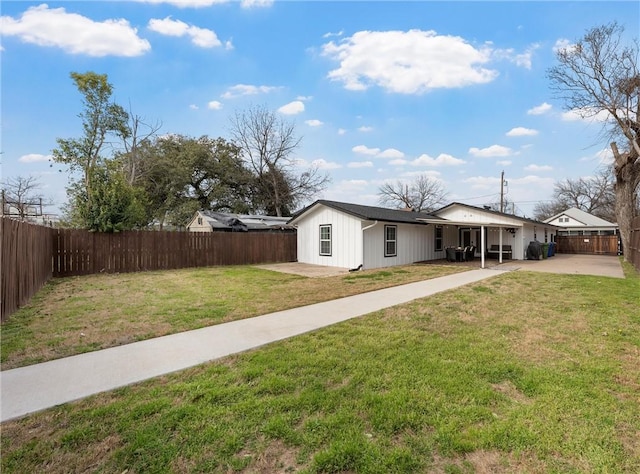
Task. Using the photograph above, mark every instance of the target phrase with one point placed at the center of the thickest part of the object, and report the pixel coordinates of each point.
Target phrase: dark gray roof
(371, 213)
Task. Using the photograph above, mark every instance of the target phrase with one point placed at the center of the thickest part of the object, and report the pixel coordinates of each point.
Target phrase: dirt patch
(275, 458)
(508, 389)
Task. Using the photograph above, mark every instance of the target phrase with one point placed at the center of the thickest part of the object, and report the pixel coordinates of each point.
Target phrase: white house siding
(346, 238)
(415, 243)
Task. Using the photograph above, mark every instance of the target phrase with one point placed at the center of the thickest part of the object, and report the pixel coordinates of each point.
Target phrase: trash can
(545, 250)
(552, 249)
(534, 250)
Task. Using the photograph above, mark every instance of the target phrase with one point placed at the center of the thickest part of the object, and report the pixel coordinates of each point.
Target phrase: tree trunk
(627, 174)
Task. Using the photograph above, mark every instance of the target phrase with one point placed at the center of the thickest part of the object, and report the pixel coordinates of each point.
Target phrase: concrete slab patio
(37, 387)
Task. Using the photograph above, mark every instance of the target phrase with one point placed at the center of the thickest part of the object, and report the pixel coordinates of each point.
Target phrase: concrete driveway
(599, 265)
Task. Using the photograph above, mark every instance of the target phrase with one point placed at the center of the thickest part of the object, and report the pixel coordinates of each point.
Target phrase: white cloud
(365, 129)
(314, 123)
(504, 162)
(341, 131)
(408, 62)
(292, 108)
(364, 150)
(193, 107)
(329, 35)
(484, 182)
(586, 115)
(537, 168)
(522, 132)
(391, 153)
(564, 45)
(214, 105)
(442, 160)
(74, 33)
(246, 89)
(199, 36)
(493, 150)
(304, 98)
(322, 164)
(398, 162)
(360, 164)
(539, 109)
(34, 158)
(186, 3)
(603, 157)
(256, 3)
(521, 59)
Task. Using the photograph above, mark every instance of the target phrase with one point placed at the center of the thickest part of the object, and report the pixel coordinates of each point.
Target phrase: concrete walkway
(37, 387)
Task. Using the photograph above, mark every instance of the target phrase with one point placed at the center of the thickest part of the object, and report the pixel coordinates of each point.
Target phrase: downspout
(363, 229)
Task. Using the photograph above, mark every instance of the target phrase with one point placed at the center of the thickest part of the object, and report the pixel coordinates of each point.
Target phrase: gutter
(363, 229)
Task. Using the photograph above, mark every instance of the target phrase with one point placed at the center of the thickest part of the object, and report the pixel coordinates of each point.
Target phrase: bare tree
(21, 197)
(268, 143)
(592, 194)
(599, 75)
(137, 132)
(424, 193)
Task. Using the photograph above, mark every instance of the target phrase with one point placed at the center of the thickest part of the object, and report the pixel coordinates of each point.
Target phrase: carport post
(500, 245)
(482, 246)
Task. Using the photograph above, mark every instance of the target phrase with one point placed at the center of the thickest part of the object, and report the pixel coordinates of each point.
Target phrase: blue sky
(378, 90)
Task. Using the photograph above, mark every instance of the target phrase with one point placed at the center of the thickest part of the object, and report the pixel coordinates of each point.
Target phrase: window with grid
(390, 240)
(325, 240)
(438, 243)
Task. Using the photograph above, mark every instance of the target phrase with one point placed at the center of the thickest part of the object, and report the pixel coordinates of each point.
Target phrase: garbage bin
(545, 250)
(534, 250)
(552, 249)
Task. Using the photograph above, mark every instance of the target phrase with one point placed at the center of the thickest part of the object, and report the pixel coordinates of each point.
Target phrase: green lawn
(75, 315)
(524, 372)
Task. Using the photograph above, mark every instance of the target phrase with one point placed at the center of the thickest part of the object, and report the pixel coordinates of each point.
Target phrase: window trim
(321, 240)
(387, 241)
(438, 240)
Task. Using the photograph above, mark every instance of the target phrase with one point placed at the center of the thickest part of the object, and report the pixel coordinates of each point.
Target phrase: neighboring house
(210, 221)
(349, 235)
(575, 221)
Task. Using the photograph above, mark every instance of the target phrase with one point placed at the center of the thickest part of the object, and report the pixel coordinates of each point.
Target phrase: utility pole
(502, 191)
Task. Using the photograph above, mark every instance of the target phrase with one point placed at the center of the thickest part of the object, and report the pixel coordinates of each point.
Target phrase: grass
(524, 372)
(75, 315)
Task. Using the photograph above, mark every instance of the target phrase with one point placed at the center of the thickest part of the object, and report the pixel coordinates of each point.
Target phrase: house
(210, 221)
(349, 235)
(575, 221)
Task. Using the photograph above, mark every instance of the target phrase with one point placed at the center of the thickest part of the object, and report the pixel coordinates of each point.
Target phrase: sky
(378, 91)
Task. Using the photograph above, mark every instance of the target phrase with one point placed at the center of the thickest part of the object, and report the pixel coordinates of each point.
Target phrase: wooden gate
(587, 244)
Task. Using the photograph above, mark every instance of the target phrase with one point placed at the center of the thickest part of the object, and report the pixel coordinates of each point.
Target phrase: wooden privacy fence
(25, 262)
(32, 254)
(77, 252)
(588, 244)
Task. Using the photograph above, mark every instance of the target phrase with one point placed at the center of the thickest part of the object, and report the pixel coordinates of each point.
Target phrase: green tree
(115, 205)
(102, 120)
(182, 174)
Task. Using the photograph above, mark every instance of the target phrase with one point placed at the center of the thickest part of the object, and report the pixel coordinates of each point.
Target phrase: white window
(390, 240)
(325, 240)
